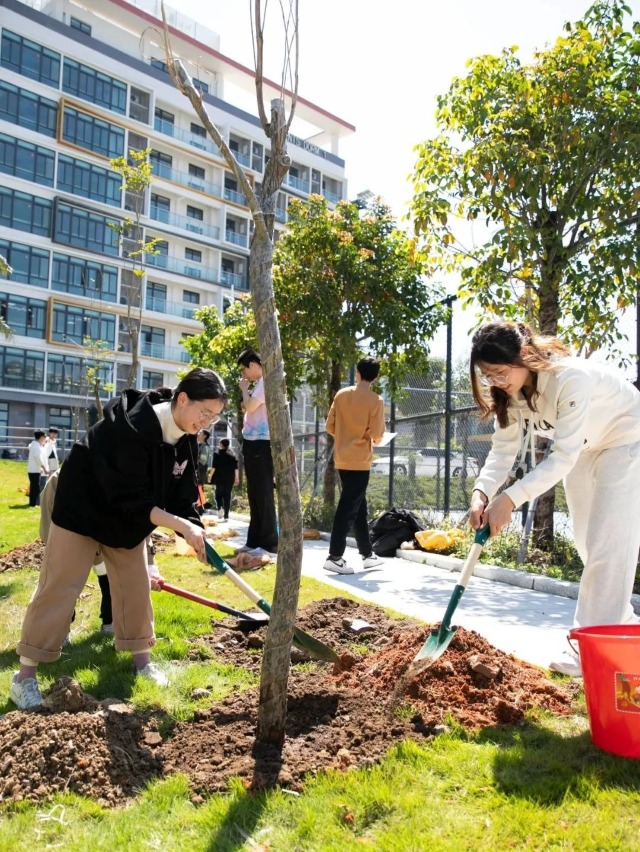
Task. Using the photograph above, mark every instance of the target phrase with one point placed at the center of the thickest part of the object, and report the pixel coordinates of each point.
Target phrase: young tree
(276, 659)
(137, 176)
(546, 156)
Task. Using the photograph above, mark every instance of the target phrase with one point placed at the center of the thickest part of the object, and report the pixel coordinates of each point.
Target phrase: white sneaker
(220, 513)
(151, 672)
(567, 664)
(25, 695)
(338, 565)
(372, 561)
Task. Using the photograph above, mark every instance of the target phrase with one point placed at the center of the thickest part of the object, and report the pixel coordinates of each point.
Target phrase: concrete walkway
(529, 623)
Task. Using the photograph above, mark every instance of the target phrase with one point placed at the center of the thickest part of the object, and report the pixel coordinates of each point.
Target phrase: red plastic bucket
(610, 659)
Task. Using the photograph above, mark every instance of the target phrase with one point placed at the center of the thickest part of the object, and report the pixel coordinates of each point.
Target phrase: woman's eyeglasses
(207, 417)
(500, 380)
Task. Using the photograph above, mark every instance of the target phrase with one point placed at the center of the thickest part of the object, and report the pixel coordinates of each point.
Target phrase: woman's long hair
(514, 344)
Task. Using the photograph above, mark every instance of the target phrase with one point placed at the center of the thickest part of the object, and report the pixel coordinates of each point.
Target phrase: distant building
(80, 85)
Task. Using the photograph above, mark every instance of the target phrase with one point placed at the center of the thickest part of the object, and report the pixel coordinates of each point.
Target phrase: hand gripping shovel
(247, 620)
(440, 637)
(301, 639)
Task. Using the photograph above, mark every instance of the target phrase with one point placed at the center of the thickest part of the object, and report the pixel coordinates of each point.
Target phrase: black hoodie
(111, 480)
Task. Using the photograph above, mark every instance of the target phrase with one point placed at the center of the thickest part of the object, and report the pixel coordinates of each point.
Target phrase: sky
(381, 66)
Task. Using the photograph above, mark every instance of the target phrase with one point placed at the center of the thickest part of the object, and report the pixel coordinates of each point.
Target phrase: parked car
(428, 462)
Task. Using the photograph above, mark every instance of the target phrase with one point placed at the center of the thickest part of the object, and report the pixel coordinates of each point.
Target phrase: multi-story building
(82, 84)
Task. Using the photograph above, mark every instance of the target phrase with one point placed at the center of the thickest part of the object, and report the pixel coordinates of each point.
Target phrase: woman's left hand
(497, 514)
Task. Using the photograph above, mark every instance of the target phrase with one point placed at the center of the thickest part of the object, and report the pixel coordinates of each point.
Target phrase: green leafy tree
(544, 158)
(348, 281)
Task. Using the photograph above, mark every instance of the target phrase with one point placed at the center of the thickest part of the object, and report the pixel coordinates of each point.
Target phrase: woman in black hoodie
(135, 469)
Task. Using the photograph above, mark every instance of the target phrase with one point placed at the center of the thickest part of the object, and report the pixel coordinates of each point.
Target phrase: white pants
(603, 495)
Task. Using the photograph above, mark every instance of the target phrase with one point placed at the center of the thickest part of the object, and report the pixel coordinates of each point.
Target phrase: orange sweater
(356, 422)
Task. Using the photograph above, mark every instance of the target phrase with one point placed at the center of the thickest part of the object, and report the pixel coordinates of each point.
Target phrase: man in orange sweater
(356, 423)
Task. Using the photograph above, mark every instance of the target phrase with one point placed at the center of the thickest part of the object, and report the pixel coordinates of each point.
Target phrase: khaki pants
(67, 560)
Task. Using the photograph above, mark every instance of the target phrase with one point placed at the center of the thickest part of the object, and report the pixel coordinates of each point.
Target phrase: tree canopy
(545, 157)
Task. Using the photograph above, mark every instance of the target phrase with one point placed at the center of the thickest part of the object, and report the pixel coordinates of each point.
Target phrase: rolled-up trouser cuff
(38, 655)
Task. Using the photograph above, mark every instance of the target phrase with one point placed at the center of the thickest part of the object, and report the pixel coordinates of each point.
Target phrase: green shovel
(440, 637)
(301, 639)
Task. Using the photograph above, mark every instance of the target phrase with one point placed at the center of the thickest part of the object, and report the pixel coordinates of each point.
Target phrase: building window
(27, 161)
(30, 59)
(191, 297)
(196, 171)
(92, 134)
(60, 417)
(164, 121)
(151, 379)
(84, 278)
(25, 212)
(94, 86)
(156, 297)
(75, 226)
(20, 106)
(257, 155)
(68, 374)
(90, 181)
(21, 368)
(161, 164)
(152, 341)
(159, 64)
(195, 213)
(200, 85)
(75, 323)
(139, 105)
(160, 208)
(193, 254)
(77, 24)
(23, 315)
(198, 130)
(30, 265)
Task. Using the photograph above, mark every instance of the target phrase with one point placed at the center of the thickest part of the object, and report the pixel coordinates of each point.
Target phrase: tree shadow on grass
(542, 766)
(238, 824)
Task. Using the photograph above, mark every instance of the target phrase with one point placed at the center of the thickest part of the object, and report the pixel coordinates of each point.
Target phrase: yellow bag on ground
(438, 539)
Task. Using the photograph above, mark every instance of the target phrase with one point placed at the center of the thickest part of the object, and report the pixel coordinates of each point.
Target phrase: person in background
(203, 455)
(135, 469)
(224, 475)
(51, 448)
(36, 466)
(592, 413)
(356, 423)
(256, 451)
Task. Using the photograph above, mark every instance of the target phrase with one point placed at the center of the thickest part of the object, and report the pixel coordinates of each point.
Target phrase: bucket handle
(575, 650)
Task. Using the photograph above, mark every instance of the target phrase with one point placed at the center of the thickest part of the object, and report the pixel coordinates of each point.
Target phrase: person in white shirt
(52, 449)
(592, 414)
(256, 451)
(36, 466)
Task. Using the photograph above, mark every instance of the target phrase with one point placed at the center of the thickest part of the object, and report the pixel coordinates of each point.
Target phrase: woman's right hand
(195, 537)
(476, 509)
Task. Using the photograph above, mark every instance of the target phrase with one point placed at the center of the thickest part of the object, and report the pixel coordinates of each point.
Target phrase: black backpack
(391, 528)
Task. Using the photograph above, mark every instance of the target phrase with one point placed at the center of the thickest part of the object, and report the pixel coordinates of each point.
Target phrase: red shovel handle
(190, 596)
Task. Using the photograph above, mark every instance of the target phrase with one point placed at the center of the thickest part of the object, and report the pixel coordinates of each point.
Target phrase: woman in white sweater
(592, 414)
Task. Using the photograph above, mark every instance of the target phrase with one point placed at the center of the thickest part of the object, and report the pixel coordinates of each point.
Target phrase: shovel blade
(437, 643)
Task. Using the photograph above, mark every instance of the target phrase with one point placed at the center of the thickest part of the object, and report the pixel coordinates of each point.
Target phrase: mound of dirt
(26, 556)
(338, 717)
(105, 754)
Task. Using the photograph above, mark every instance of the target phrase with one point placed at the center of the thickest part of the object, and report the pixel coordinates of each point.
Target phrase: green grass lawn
(542, 786)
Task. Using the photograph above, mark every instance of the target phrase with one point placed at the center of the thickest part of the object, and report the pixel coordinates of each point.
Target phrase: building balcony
(164, 352)
(235, 238)
(186, 223)
(201, 142)
(182, 267)
(298, 183)
(174, 309)
(232, 279)
(233, 195)
(185, 179)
